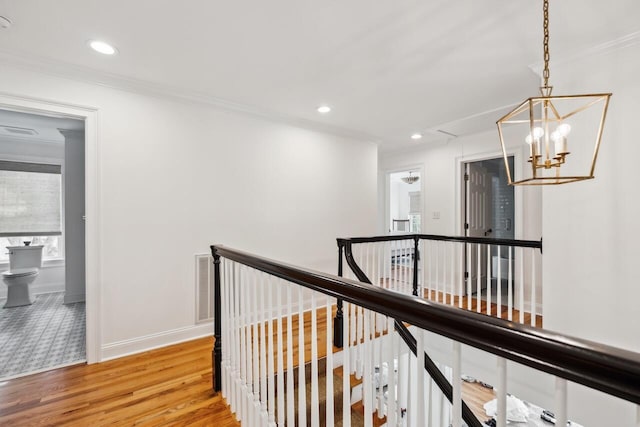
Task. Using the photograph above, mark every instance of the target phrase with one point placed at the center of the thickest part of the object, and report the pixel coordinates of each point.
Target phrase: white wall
(591, 228)
(175, 177)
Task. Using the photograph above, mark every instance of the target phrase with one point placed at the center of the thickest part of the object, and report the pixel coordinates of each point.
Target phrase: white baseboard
(149, 342)
(73, 298)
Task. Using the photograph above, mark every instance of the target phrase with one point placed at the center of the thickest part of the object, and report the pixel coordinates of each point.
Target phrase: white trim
(619, 43)
(114, 81)
(158, 340)
(93, 262)
(517, 193)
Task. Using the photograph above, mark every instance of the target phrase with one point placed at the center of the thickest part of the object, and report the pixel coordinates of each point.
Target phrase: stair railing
(498, 277)
(261, 304)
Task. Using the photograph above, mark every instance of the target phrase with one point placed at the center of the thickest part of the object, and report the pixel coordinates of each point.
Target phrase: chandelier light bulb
(564, 129)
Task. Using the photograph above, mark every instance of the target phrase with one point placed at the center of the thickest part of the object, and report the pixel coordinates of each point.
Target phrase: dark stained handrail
(609, 369)
(463, 239)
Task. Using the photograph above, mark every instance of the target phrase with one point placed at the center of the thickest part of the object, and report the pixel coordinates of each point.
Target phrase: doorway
(488, 203)
(50, 331)
(404, 201)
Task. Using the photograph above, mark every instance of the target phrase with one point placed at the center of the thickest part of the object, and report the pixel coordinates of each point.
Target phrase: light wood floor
(171, 386)
(167, 387)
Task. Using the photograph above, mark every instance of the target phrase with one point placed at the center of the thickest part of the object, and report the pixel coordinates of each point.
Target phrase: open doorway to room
(404, 201)
(42, 242)
(488, 210)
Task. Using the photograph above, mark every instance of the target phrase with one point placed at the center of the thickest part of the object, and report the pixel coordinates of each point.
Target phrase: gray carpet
(43, 335)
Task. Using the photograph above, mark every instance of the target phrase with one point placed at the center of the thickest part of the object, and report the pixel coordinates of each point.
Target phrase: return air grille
(204, 288)
(19, 131)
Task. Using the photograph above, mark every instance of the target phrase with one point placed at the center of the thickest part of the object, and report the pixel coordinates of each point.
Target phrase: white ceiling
(388, 68)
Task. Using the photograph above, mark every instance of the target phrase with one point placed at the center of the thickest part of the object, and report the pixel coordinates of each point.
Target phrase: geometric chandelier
(563, 133)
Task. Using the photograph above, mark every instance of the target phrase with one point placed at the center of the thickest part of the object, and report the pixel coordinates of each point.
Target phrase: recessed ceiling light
(102, 47)
(416, 136)
(324, 109)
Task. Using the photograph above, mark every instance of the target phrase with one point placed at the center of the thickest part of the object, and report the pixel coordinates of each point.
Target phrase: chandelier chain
(545, 73)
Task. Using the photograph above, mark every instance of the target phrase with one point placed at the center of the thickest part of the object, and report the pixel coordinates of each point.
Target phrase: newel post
(216, 353)
(338, 339)
(416, 258)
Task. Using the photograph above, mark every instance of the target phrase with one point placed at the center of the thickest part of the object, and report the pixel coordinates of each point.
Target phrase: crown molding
(620, 43)
(119, 82)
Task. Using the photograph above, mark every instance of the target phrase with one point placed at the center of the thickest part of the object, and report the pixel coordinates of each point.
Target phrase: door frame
(89, 115)
(517, 190)
(387, 193)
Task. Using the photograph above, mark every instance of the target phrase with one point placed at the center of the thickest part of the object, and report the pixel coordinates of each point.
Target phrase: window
(30, 206)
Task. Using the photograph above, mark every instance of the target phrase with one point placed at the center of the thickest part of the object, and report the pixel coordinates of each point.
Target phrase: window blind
(30, 199)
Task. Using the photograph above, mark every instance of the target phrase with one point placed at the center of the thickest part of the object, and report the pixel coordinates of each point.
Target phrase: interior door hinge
(466, 177)
(466, 225)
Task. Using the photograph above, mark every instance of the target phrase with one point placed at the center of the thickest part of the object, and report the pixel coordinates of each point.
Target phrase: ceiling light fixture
(410, 179)
(324, 109)
(5, 23)
(102, 47)
(544, 123)
(416, 136)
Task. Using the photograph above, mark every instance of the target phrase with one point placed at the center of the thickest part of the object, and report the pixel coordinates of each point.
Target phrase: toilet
(24, 262)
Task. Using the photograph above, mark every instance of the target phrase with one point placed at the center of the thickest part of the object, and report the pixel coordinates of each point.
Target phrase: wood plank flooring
(171, 386)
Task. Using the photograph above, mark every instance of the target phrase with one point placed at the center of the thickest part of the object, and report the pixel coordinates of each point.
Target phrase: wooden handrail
(609, 369)
(463, 239)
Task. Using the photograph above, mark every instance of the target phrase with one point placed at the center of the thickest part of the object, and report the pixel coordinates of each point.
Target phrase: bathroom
(42, 243)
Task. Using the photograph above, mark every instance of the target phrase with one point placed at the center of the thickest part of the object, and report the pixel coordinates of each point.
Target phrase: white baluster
(315, 401)
(457, 385)
(346, 368)
(352, 353)
(256, 347)
(403, 383)
(429, 271)
(368, 370)
(510, 285)
(236, 338)
(638, 416)
(499, 285)
(452, 273)
(421, 379)
(468, 279)
(329, 373)
(290, 372)
(437, 262)
(302, 387)
(561, 402)
(460, 274)
(501, 393)
(533, 288)
(264, 370)
(478, 277)
(488, 278)
(224, 315)
(271, 385)
(521, 286)
(392, 349)
(280, 358)
(359, 337)
(379, 345)
(248, 290)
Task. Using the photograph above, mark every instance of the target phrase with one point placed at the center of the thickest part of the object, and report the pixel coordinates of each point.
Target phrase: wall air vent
(18, 131)
(204, 288)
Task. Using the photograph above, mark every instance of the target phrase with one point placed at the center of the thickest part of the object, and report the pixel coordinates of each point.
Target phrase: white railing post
(501, 392)
(302, 387)
(421, 379)
(329, 373)
(560, 410)
(315, 401)
(346, 365)
(456, 398)
(290, 370)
